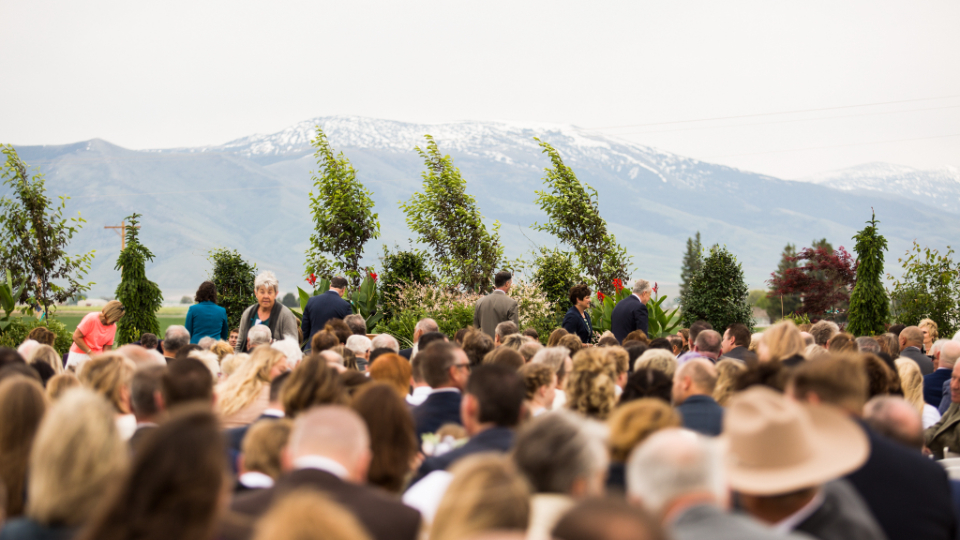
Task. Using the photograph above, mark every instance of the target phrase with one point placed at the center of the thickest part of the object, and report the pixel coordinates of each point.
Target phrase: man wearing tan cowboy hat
(784, 460)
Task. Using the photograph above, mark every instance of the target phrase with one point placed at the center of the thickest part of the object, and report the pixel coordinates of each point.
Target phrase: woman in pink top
(95, 333)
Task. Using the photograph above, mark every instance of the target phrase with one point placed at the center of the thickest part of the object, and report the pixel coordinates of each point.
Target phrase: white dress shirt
(322, 464)
(419, 395)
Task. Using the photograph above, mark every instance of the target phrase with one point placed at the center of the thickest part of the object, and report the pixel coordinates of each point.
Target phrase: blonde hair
(631, 423)
(590, 388)
(513, 341)
(931, 327)
(77, 457)
(222, 349)
(108, 374)
(727, 371)
(263, 444)
(58, 385)
(230, 363)
(47, 355)
(658, 359)
(620, 358)
(308, 514)
(112, 312)
(911, 381)
(246, 384)
(783, 340)
(487, 493)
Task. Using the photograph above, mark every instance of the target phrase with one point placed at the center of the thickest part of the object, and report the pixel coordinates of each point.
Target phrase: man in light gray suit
(496, 307)
(678, 476)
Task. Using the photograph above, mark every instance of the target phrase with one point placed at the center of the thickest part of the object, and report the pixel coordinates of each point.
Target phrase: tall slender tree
(140, 297)
(692, 260)
(869, 305)
(781, 305)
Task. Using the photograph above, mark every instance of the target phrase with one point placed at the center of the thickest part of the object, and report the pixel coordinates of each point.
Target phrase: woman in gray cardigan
(267, 311)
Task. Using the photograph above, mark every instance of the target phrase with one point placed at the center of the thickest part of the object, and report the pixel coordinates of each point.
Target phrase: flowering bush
(534, 309)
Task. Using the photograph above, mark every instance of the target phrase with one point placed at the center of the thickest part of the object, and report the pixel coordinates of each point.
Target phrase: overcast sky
(188, 73)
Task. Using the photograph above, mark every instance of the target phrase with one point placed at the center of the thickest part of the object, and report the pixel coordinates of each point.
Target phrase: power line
(171, 192)
(833, 146)
(772, 113)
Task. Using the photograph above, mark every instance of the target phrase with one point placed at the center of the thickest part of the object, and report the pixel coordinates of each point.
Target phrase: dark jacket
(574, 323)
(406, 353)
(438, 409)
(908, 494)
(319, 310)
(933, 385)
(384, 517)
(496, 439)
(737, 353)
(947, 398)
(702, 414)
(922, 360)
(629, 314)
(28, 529)
(843, 515)
(207, 319)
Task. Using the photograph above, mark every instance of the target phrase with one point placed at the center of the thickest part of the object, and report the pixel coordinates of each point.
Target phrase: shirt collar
(446, 389)
(321, 463)
(791, 522)
(256, 480)
(276, 413)
(422, 391)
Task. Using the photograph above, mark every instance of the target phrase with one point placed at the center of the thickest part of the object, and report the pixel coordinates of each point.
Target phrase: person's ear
(361, 467)
(158, 401)
(286, 459)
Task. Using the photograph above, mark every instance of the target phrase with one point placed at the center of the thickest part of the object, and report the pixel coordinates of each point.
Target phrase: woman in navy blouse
(206, 318)
(577, 320)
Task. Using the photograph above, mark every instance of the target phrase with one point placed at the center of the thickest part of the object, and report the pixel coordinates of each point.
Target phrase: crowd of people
(287, 428)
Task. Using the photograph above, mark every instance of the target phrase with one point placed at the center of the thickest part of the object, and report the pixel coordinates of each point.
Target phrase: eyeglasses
(467, 365)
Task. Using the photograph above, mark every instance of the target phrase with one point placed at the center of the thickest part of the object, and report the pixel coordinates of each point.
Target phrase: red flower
(600, 296)
(373, 276)
(618, 285)
(654, 287)
(312, 280)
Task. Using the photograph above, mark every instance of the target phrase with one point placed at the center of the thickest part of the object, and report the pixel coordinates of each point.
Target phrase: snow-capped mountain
(939, 188)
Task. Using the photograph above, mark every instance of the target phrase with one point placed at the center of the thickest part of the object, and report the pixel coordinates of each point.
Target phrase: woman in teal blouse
(206, 318)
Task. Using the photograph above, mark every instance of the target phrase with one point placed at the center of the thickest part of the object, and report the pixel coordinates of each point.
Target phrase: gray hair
(208, 359)
(640, 286)
(868, 344)
(259, 335)
(175, 338)
(672, 463)
(895, 418)
(331, 356)
(552, 356)
(206, 342)
(823, 330)
(506, 328)
(266, 279)
(557, 449)
(937, 345)
(358, 344)
(385, 341)
(949, 354)
(426, 325)
(290, 349)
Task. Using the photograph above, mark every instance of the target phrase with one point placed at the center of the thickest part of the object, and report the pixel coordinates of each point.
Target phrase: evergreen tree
(574, 218)
(342, 216)
(717, 293)
(234, 279)
(692, 260)
(448, 220)
(781, 305)
(869, 306)
(140, 297)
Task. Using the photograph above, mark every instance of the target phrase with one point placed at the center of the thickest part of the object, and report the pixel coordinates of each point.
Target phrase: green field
(70, 316)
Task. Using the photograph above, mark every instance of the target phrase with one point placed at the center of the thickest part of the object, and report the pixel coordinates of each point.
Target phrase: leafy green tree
(692, 260)
(342, 216)
(401, 268)
(717, 293)
(234, 278)
(555, 272)
(929, 288)
(34, 237)
(290, 301)
(448, 221)
(781, 305)
(140, 297)
(574, 218)
(869, 305)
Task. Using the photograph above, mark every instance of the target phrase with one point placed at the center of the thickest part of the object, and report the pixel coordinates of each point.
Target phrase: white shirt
(419, 395)
(426, 494)
(931, 415)
(321, 464)
(790, 522)
(275, 413)
(256, 480)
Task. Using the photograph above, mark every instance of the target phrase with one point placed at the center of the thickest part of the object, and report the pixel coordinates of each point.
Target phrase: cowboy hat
(776, 445)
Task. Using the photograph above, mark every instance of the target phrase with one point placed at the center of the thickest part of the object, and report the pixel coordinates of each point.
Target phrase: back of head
(323, 340)
(949, 354)
(108, 374)
(632, 423)
(435, 363)
(425, 326)
(528, 350)
(658, 359)
(773, 375)
(502, 278)
(360, 345)
(142, 357)
(608, 341)
(673, 463)
(823, 330)
(385, 341)
(895, 418)
(77, 456)
(174, 339)
(896, 329)
(696, 328)
(394, 370)
(840, 381)
(499, 391)
(702, 373)
(912, 336)
(308, 514)
(476, 345)
(911, 382)
(740, 333)
(430, 337)
(47, 355)
(149, 341)
(708, 341)
(728, 370)
(185, 351)
(555, 451)
(146, 383)
(647, 383)
(535, 376)
(263, 445)
(868, 345)
(607, 519)
(312, 383)
(843, 343)
(880, 378)
(10, 356)
(513, 341)
(393, 442)
(357, 324)
(22, 405)
(783, 340)
(532, 333)
(572, 343)
(506, 328)
(591, 386)
(260, 335)
(637, 336)
(185, 381)
(554, 339)
(60, 383)
(504, 356)
(340, 329)
(331, 431)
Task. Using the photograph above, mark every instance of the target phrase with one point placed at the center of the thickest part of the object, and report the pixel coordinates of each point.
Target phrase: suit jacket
(737, 353)
(576, 325)
(908, 494)
(946, 400)
(384, 517)
(406, 353)
(319, 310)
(842, 516)
(933, 385)
(494, 309)
(922, 360)
(138, 436)
(945, 433)
(438, 409)
(702, 414)
(496, 439)
(707, 521)
(629, 314)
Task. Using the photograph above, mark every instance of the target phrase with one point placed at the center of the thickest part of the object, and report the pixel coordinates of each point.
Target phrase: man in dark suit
(911, 339)
(446, 369)
(323, 307)
(933, 383)
(631, 313)
(146, 400)
(736, 342)
(693, 385)
(329, 451)
(497, 306)
(490, 411)
(423, 327)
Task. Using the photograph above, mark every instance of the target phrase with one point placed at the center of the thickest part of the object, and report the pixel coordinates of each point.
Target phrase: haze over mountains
(251, 194)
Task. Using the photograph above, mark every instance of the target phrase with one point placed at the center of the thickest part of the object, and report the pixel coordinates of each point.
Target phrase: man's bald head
(334, 432)
(896, 419)
(911, 336)
(949, 354)
(701, 372)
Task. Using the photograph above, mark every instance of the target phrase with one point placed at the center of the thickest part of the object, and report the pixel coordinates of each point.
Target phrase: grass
(71, 316)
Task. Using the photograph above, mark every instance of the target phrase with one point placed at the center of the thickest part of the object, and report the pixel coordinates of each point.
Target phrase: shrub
(929, 287)
(401, 268)
(717, 293)
(451, 309)
(19, 327)
(234, 278)
(556, 272)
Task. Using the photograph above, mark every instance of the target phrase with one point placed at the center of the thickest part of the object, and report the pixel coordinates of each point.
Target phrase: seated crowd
(313, 429)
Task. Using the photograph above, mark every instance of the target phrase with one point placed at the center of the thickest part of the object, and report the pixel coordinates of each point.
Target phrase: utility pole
(122, 231)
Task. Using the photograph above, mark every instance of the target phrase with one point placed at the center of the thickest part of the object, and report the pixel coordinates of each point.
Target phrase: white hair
(206, 342)
(331, 356)
(259, 335)
(672, 463)
(385, 341)
(551, 356)
(209, 359)
(290, 348)
(640, 286)
(266, 279)
(937, 345)
(359, 344)
(27, 347)
(426, 326)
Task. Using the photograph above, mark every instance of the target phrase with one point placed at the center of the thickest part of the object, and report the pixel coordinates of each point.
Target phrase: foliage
(869, 305)
(692, 260)
(929, 287)
(452, 309)
(141, 298)
(364, 301)
(601, 307)
(822, 279)
(717, 293)
(234, 279)
(304, 296)
(660, 323)
(290, 300)
(574, 218)
(9, 293)
(400, 268)
(342, 216)
(447, 220)
(20, 327)
(534, 309)
(34, 237)
(555, 272)
(797, 318)
(779, 305)
(186, 300)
